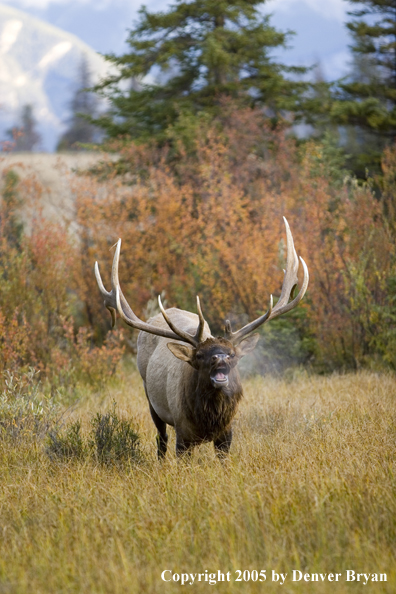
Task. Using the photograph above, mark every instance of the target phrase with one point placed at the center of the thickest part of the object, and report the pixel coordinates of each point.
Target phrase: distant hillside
(53, 172)
(38, 66)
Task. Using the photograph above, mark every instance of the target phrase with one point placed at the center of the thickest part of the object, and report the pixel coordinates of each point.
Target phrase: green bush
(69, 445)
(110, 441)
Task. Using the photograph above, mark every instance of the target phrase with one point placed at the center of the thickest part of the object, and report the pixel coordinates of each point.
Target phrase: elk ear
(181, 351)
(247, 345)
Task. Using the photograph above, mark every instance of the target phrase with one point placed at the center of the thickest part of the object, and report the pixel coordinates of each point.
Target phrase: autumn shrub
(204, 235)
(111, 440)
(210, 223)
(76, 358)
(352, 260)
(39, 299)
(204, 219)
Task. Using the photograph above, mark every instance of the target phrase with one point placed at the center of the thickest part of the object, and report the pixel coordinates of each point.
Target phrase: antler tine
(99, 281)
(116, 302)
(289, 282)
(119, 307)
(236, 337)
(181, 333)
(201, 325)
(290, 279)
(285, 308)
(114, 269)
(110, 297)
(106, 295)
(227, 328)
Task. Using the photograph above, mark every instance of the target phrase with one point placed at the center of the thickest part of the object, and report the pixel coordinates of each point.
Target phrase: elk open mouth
(219, 378)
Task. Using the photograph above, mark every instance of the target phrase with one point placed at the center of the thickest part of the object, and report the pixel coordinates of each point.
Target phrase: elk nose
(218, 358)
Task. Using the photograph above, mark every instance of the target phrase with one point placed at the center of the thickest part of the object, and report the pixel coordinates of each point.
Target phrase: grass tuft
(111, 440)
(68, 444)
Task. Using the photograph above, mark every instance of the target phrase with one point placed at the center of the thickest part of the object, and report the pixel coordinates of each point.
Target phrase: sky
(321, 36)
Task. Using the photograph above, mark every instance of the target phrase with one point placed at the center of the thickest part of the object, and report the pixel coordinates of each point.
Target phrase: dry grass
(310, 485)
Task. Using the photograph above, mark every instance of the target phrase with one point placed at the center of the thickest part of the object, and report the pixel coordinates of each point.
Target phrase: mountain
(39, 65)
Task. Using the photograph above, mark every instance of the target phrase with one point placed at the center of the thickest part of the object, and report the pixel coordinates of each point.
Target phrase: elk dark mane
(212, 410)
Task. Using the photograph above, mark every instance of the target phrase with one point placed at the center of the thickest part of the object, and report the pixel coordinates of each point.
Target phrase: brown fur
(213, 409)
(180, 392)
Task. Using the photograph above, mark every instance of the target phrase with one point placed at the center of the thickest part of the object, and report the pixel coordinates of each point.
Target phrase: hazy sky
(321, 35)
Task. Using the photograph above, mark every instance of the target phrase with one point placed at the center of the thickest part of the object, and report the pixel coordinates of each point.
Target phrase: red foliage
(39, 298)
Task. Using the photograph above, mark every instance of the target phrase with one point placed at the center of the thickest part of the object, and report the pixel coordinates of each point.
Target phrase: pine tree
(366, 101)
(24, 135)
(83, 106)
(181, 62)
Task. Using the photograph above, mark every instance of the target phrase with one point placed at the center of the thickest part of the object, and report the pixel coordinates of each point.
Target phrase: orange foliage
(211, 224)
(39, 298)
(207, 222)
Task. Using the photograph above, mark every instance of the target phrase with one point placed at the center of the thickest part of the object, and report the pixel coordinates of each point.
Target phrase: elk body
(190, 377)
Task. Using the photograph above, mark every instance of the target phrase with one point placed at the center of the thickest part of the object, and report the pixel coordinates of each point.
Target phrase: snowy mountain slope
(38, 66)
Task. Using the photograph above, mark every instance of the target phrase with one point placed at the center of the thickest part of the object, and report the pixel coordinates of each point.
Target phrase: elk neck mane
(210, 409)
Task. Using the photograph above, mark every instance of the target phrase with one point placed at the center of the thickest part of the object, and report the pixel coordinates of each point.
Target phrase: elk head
(215, 356)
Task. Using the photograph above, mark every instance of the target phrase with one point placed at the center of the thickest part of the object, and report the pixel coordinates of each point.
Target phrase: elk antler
(116, 302)
(200, 330)
(290, 281)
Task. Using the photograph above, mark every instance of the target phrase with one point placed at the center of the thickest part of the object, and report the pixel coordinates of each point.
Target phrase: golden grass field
(310, 485)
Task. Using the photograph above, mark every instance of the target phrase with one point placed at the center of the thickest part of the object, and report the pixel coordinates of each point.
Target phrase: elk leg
(223, 443)
(183, 448)
(162, 436)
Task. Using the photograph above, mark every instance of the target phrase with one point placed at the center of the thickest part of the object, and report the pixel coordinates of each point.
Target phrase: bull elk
(190, 377)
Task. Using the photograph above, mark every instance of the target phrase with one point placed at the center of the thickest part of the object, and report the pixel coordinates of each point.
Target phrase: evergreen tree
(83, 106)
(366, 102)
(181, 62)
(24, 135)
